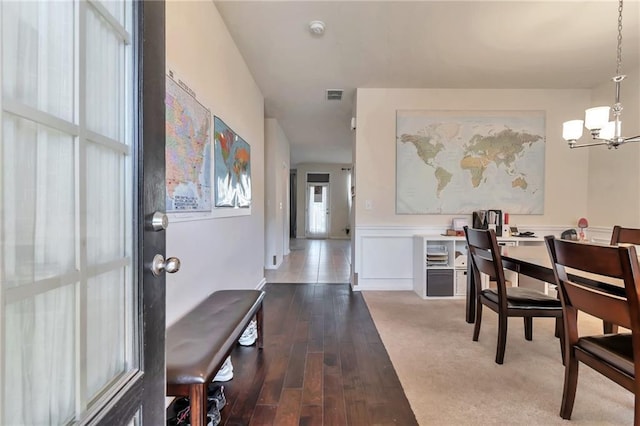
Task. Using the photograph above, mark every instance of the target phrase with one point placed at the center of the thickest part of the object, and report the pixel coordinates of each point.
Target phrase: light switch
(368, 204)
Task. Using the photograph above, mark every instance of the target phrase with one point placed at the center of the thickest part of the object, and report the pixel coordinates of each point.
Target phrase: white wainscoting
(599, 234)
(383, 255)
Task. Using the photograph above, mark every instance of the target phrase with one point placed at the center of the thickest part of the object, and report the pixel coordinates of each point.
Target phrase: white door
(317, 210)
(284, 208)
(74, 321)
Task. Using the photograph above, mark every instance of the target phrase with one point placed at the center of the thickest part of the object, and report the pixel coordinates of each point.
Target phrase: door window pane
(38, 172)
(105, 204)
(40, 338)
(106, 331)
(38, 66)
(104, 79)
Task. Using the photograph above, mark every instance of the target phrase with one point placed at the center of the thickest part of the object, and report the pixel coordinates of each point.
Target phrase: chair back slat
(592, 258)
(484, 264)
(604, 306)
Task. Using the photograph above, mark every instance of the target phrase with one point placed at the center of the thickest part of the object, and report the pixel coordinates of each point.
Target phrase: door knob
(159, 265)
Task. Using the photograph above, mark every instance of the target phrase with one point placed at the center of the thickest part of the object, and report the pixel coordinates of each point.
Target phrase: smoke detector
(316, 27)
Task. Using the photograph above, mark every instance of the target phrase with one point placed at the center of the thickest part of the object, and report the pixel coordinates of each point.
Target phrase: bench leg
(198, 404)
(259, 320)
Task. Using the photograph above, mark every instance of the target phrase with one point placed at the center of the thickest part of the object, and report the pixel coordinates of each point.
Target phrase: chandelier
(596, 120)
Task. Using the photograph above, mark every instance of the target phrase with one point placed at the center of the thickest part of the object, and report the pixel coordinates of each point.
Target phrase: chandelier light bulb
(572, 130)
(608, 130)
(595, 118)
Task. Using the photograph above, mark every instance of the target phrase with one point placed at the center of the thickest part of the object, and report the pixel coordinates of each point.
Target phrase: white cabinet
(440, 264)
(436, 261)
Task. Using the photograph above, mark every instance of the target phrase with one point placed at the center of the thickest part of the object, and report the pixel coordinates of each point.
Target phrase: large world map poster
(188, 151)
(455, 162)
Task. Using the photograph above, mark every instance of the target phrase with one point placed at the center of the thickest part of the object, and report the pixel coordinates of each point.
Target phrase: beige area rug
(451, 380)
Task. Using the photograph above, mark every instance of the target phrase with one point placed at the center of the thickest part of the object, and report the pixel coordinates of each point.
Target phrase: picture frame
(459, 223)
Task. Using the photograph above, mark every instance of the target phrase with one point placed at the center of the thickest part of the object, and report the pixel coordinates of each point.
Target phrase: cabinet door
(461, 282)
(439, 282)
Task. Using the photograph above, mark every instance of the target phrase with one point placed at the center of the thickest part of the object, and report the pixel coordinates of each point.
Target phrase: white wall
(227, 252)
(276, 194)
(338, 197)
(614, 175)
(566, 173)
(565, 170)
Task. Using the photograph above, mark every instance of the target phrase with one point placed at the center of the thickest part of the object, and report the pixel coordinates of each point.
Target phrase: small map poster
(232, 167)
(455, 162)
(188, 151)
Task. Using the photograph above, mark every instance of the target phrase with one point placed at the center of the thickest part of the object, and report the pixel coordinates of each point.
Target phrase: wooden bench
(198, 344)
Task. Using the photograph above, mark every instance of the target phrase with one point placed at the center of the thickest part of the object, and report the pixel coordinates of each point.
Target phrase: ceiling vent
(334, 94)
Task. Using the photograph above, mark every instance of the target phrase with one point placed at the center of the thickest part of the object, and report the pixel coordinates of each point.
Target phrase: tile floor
(314, 261)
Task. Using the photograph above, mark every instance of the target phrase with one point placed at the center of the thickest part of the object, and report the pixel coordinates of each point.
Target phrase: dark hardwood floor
(323, 363)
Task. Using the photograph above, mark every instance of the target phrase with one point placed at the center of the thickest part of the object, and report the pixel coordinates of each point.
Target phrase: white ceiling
(417, 44)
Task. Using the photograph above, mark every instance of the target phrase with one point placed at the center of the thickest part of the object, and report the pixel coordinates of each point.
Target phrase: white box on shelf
(460, 256)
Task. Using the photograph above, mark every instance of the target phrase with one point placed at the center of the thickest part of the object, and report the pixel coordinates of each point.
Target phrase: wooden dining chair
(612, 355)
(621, 235)
(505, 301)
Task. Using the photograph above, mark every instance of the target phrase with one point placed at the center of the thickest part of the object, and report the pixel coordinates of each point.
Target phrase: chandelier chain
(619, 58)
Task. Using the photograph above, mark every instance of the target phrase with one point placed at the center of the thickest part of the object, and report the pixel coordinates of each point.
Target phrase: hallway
(314, 261)
(323, 361)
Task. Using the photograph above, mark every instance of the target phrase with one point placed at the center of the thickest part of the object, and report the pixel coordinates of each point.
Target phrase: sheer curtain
(65, 208)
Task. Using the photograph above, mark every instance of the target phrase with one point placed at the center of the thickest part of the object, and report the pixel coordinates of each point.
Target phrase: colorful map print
(188, 151)
(450, 162)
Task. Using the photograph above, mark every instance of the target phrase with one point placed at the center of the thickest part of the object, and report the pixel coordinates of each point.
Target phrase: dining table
(534, 261)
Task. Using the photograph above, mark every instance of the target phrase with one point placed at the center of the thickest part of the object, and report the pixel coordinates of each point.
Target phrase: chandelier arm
(583, 145)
